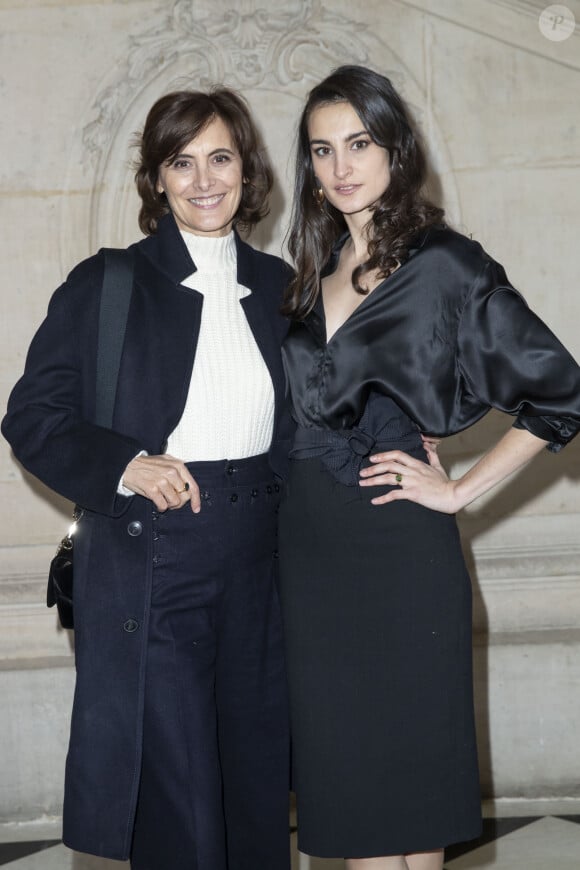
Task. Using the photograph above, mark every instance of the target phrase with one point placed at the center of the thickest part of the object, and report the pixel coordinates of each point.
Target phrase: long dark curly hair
(177, 118)
(398, 214)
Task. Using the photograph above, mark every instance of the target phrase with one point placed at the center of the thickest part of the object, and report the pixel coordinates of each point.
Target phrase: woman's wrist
(456, 502)
(460, 496)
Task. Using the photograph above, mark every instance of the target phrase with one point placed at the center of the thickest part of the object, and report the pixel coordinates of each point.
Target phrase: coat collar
(168, 251)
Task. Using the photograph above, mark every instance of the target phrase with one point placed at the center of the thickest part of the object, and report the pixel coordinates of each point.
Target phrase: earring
(318, 195)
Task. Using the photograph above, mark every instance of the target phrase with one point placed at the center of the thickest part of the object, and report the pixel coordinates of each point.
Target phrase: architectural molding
(514, 23)
(274, 53)
(531, 8)
(519, 589)
(540, 563)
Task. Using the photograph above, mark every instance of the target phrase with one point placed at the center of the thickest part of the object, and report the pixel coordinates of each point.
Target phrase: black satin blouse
(445, 336)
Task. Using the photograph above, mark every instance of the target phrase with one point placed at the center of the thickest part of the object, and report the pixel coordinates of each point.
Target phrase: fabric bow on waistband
(341, 451)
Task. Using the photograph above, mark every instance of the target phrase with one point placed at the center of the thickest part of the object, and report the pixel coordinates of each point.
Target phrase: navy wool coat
(49, 425)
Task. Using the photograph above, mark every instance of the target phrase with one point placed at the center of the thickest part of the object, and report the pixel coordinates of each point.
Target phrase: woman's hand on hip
(163, 479)
(427, 485)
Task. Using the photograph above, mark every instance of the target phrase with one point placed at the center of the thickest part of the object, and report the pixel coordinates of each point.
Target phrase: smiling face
(353, 171)
(203, 183)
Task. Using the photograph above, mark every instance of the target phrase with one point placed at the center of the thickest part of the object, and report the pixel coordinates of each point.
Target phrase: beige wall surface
(498, 100)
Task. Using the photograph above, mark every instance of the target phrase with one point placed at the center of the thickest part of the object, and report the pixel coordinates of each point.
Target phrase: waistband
(343, 451)
(232, 472)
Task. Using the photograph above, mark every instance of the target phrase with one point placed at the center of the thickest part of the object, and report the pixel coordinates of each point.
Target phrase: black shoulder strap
(113, 311)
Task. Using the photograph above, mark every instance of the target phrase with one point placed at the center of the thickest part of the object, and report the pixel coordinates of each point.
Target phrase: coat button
(254, 493)
(130, 625)
(135, 528)
(233, 497)
(276, 487)
(269, 489)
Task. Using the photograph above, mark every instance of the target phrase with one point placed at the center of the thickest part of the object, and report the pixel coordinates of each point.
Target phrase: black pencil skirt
(376, 603)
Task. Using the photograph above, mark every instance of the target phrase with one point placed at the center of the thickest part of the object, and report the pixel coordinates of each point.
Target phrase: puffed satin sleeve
(509, 359)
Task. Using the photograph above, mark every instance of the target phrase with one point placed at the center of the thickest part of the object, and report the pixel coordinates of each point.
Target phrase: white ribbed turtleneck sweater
(229, 412)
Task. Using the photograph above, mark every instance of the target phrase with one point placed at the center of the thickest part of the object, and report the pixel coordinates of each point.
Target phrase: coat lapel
(163, 330)
(160, 341)
(167, 251)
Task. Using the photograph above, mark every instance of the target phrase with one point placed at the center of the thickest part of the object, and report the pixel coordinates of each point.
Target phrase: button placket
(157, 536)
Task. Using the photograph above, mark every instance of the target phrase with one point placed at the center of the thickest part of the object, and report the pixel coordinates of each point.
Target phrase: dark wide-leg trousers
(214, 781)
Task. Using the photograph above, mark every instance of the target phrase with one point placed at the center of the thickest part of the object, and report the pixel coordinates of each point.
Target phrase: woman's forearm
(430, 486)
(511, 452)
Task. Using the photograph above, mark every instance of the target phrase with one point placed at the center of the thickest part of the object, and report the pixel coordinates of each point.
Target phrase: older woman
(179, 749)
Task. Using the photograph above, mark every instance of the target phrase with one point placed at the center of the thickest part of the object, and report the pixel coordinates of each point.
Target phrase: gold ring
(399, 478)
(185, 489)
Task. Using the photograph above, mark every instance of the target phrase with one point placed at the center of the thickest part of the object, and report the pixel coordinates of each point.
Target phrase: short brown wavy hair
(177, 118)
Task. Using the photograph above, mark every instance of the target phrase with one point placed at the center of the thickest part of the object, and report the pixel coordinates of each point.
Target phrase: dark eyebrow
(348, 138)
(211, 154)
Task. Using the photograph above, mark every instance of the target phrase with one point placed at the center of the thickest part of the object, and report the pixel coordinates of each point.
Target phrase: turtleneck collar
(211, 253)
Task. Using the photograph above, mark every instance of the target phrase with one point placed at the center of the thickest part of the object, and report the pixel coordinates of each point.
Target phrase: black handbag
(60, 576)
(113, 310)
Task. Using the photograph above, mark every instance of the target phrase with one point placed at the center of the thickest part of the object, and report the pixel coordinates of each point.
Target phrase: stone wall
(499, 103)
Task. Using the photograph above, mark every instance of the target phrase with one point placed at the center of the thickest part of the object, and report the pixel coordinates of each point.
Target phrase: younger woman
(402, 328)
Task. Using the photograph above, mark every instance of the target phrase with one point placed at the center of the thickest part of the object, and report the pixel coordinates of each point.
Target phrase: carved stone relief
(273, 56)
